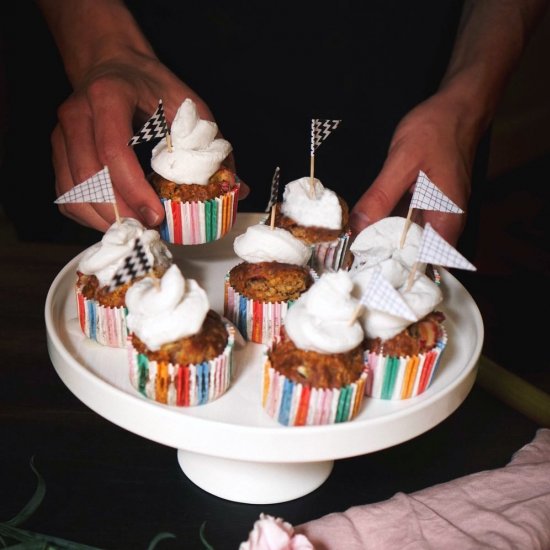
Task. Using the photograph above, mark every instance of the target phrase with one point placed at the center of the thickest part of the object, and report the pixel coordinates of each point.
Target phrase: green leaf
(35, 501)
(203, 539)
(158, 538)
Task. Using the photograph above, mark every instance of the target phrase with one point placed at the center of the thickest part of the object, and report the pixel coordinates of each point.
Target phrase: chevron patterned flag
(274, 190)
(135, 265)
(427, 196)
(436, 250)
(98, 188)
(381, 295)
(155, 127)
(320, 130)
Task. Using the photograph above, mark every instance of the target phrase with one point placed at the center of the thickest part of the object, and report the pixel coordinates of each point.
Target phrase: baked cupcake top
(196, 152)
(313, 218)
(104, 258)
(165, 310)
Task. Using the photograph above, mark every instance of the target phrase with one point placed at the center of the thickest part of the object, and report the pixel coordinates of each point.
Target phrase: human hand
(436, 138)
(95, 125)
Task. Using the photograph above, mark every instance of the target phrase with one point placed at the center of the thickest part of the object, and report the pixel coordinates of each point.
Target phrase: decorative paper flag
(135, 265)
(155, 127)
(98, 188)
(274, 190)
(320, 130)
(381, 295)
(436, 250)
(427, 196)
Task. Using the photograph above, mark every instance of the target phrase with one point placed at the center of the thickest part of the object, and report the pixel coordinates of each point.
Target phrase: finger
(77, 125)
(83, 213)
(112, 110)
(384, 194)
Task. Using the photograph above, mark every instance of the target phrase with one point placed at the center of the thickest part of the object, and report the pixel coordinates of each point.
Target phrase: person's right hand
(95, 125)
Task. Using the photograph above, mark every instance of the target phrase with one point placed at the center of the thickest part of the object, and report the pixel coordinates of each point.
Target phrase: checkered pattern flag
(274, 190)
(427, 196)
(436, 250)
(98, 188)
(155, 127)
(320, 130)
(381, 295)
(135, 265)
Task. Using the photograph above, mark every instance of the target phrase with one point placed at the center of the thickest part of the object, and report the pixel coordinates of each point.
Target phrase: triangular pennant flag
(427, 196)
(98, 188)
(135, 265)
(320, 130)
(274, 190)
(436, 250)
(381, 295)
(155, 127)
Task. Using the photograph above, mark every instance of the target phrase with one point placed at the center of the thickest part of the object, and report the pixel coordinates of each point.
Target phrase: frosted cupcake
(199, 195)
(402, 356)
(260, 289)
(316, 373)
(101, 303)
(180, 351)
(319, 219)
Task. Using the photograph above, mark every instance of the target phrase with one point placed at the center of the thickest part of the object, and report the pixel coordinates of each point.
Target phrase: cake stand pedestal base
(253, 482)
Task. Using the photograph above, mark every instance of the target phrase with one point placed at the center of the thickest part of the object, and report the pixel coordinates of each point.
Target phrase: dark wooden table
(112, 489)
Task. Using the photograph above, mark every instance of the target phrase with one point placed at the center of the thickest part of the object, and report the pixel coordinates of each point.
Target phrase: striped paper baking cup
(199, 222)
(394, 378)
(182, 385)
(329, 256)
(106, 325)
(294, 404)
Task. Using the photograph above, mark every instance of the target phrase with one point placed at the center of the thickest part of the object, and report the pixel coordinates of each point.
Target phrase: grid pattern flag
(155, 127)
(135, 265)
(436, 250)
(274, 190)
(427, 196)
(381, 295)
(98, 188)
(320, 130)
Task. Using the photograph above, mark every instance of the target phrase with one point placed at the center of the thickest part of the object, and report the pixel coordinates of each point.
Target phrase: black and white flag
(135, 265)
(320, 130)
(97, 188)
(274, 190)
(155, 127)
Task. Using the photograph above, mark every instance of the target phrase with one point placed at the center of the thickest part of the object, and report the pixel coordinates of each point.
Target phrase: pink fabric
(506, 508)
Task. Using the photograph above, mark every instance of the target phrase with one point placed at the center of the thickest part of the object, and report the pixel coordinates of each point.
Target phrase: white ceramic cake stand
(231, 447)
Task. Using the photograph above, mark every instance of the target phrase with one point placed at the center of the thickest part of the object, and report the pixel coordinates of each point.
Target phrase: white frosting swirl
(320, 319)
(105, 257)
(379, 244)
(164, 311)
(260, 243)
(321, 210)
(196, 153)
(422, 298)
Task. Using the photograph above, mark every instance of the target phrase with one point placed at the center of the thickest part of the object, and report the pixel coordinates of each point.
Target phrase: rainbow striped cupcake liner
(395, 378)
(329, 256)
(257, 321)
(106, 325)
(199, 222)
(182, 385)
(294, 404)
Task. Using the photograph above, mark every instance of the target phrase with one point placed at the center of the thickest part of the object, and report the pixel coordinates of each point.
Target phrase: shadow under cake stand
(231, 448)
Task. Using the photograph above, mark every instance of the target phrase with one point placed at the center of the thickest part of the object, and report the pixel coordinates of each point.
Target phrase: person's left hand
(436, 139)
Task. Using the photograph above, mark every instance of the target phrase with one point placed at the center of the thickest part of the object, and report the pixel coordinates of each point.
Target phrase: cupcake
(316, 373)
(402, 356)
(318, 219)
(260, 289)
(198, 193)
(180, 351)
(101, 302)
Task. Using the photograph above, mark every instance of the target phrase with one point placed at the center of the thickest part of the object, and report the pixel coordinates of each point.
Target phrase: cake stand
(230, 447)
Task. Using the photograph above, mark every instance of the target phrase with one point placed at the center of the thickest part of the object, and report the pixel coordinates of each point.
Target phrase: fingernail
(150, 217)
(359, 220)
